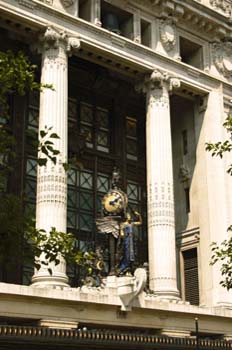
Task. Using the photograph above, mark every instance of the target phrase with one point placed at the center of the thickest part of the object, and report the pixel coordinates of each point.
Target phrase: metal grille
(191, 276)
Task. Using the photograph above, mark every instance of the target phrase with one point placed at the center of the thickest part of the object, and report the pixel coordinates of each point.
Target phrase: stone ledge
(98, 295)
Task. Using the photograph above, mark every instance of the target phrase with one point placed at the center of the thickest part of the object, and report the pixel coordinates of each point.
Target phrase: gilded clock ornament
(118, 223)
(114, 202)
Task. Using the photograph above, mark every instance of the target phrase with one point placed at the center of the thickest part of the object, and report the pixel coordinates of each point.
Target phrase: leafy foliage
(219, 148)
(17, 74)
(54, 245)
(46, 146)
(223, 252)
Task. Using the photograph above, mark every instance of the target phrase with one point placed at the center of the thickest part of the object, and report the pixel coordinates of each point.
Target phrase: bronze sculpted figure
(117, 222)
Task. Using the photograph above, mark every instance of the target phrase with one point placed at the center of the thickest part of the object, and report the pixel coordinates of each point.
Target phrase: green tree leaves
(223, 252)
(46, 147)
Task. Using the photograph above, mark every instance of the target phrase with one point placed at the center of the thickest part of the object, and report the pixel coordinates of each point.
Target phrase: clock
(114, 202)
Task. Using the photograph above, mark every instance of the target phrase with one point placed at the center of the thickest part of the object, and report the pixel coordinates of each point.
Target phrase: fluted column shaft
(161, 225)
(51, 201)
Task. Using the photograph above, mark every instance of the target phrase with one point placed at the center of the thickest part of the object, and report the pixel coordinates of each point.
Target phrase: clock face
(114, 202)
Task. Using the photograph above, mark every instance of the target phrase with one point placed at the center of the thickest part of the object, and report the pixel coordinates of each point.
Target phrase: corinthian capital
(157, 80)
(53, 38)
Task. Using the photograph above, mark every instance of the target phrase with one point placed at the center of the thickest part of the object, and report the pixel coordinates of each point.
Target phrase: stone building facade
(143, 85)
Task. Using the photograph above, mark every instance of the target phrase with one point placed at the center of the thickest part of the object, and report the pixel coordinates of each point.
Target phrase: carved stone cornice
(168, 33)
(48, 2)
(222, 57)
(223, 6)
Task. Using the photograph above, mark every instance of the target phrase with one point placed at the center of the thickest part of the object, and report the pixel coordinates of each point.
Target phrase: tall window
(190, 270)
(111, 133)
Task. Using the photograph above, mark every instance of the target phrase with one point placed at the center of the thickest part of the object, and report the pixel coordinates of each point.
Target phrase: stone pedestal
(161, 226)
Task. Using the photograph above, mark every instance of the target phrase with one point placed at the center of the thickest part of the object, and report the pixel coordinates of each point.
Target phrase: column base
(167, 294)
(43, 281)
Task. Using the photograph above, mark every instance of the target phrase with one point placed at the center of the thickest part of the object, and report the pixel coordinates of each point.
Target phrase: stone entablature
(186, 13)
(107, 338)
(128, 53)
(80, 304)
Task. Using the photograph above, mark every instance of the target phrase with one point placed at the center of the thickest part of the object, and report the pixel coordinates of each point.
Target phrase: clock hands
(113, 202)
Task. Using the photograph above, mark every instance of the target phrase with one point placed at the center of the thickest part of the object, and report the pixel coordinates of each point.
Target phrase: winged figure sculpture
(109, 224)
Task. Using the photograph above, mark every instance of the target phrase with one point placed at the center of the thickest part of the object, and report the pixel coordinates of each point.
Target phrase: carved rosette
(168, 33)
(222, 57)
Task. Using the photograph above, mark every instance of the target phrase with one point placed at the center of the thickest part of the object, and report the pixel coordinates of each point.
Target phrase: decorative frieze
(222, 57)
(27, 3)
(48, 2)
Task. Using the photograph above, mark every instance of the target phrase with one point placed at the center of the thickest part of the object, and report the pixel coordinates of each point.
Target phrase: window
(131, 138)
(145, 33)
(94, 126)
(85, 9)
(187, 200)
(191, 53)
(33, 112)
(185, 142)
(116, 20)
(190, 286)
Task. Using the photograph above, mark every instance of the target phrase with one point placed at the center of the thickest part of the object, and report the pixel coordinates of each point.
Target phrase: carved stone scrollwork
(156, 84)
(67, 3)
(157, 80)
(184, 173)
(73, 44)
(53, 38)
(168, 33)
(222, 5)
(222, 57)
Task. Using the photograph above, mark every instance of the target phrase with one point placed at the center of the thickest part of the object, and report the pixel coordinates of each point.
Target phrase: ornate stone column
(161, 225)
(51, 198)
